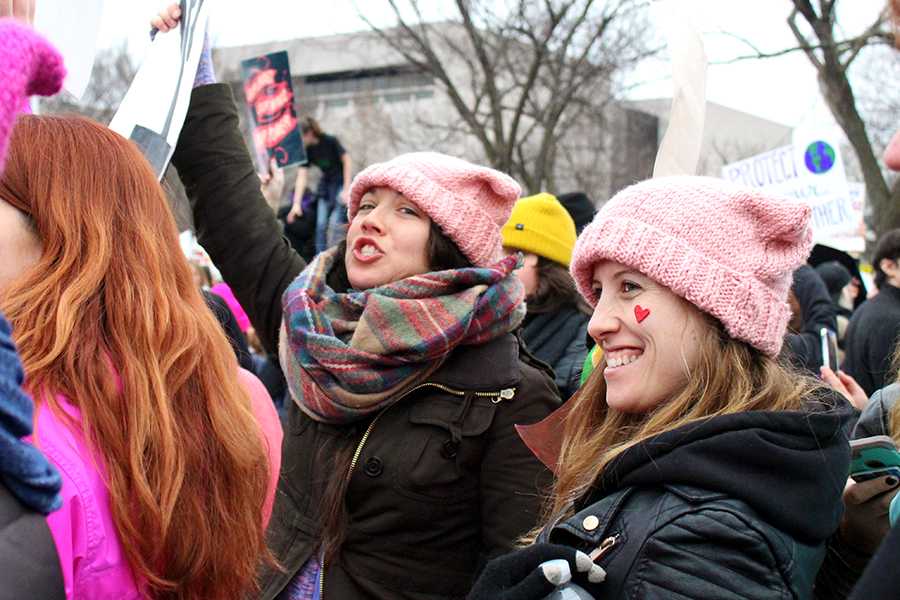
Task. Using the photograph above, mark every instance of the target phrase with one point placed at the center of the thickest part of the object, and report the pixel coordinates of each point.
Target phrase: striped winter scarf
(347, 355)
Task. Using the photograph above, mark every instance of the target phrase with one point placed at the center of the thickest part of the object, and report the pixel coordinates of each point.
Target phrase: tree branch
(852, 45)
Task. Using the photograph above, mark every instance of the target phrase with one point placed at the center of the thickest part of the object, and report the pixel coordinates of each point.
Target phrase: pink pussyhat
(29, 65)
(468, 202)
(728, 250)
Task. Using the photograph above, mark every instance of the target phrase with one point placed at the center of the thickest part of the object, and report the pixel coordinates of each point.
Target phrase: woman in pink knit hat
(402, 472)
(693, 463)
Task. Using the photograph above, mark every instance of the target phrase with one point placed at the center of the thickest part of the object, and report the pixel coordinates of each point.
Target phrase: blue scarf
(23, 469)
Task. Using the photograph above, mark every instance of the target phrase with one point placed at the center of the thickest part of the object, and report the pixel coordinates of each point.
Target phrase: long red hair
(112, 297)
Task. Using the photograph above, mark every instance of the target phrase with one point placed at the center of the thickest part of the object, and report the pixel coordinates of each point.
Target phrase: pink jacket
(91, 556)
(237, 310)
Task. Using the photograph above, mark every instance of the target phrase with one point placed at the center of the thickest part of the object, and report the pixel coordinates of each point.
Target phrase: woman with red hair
(169, 453)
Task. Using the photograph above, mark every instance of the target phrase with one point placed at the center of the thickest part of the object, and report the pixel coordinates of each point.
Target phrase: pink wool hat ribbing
(29, 65)
(730, 251)
(468, 202)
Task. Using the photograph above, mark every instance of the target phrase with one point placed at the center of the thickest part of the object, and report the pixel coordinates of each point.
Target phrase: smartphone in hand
(829, 348)
(873, 457)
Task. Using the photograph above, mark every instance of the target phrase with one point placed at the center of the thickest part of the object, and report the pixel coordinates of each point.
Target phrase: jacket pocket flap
(592, 524)
(444, 413)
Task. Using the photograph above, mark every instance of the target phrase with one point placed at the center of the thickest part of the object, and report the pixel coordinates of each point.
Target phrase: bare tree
(525, 77)
(832, 58)
(819, 36)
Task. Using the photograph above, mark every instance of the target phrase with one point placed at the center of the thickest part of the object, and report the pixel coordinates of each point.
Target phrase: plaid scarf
(347, 355)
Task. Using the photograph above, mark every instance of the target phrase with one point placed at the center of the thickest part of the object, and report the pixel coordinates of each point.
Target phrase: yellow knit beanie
(541, 225)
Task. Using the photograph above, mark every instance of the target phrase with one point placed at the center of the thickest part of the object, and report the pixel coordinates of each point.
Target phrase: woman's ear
(889, 267)
(531, 260)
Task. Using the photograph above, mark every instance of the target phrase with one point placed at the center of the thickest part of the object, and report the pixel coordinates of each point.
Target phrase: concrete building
(729, 135)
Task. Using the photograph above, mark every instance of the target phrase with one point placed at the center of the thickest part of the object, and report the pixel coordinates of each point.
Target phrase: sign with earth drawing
(812, 170)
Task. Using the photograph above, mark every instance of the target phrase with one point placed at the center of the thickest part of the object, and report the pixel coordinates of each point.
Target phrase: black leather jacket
(679, 541)
(737, 506)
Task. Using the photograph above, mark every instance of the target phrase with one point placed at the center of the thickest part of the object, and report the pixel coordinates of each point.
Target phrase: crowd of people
(448, 390)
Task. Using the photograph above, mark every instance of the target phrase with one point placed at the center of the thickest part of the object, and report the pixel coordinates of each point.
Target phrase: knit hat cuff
(472, 229)
(749, 311)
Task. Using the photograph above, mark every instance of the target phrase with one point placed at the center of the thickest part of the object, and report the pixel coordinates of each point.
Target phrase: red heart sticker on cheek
(641, 313)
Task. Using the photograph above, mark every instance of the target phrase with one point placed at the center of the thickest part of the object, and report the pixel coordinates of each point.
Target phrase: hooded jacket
(872, 339)
(739, 505)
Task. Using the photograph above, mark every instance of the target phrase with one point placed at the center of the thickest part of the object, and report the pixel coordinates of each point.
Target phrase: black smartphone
(829, 348)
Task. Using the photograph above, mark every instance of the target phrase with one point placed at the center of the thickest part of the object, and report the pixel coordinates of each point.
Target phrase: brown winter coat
(440, 481)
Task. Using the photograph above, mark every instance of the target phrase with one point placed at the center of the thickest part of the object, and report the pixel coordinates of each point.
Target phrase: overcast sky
(782, 89)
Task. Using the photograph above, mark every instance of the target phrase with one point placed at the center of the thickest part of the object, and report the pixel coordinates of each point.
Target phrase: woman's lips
(366, 251)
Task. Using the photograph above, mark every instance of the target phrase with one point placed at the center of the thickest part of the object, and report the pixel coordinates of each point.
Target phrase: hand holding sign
(153, 111)
(272, 184)
(22, 10)
(167, 19)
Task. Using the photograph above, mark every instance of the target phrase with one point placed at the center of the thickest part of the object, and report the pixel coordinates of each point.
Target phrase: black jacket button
(449, 449)
(373, 467)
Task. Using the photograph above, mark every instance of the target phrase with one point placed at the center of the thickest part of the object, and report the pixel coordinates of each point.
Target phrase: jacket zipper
(496, 398)
(604, 547)
(353, 462)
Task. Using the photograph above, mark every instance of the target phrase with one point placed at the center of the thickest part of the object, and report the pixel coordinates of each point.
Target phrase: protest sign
(852, 240)
(153, 110)
(270, 100)
(811, 170)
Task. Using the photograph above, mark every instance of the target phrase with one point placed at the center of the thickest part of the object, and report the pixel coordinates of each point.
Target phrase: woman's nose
(603, 322)
(372, 222)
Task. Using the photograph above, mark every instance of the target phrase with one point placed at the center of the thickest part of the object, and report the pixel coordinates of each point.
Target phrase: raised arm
(233, 222)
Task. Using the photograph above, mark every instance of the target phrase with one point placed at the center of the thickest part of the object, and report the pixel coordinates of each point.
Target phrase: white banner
(153, 111)
(810, 170)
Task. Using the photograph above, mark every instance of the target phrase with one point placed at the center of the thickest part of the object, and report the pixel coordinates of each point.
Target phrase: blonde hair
(730, 376)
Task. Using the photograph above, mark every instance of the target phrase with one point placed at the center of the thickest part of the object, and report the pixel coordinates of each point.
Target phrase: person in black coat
(804, 345)
(843, 288)
(693, 463)
(873, 330)
(555, 327)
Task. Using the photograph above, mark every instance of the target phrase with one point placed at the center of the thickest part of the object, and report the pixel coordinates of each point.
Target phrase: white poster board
(853, 240)
(153, 111)
(811, 170)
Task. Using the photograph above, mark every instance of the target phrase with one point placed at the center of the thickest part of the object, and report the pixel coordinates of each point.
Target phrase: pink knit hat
(28, 65)
(469, 203)
(730, 251)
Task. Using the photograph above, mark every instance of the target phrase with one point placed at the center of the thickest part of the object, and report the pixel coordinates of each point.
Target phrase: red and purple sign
(270, 98)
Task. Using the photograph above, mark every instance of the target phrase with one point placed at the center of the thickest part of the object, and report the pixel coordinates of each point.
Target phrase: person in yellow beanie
(555, 328)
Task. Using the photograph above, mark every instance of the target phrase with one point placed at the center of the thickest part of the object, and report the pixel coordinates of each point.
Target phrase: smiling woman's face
(648, 334)
(387, 240)
(20, 247)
